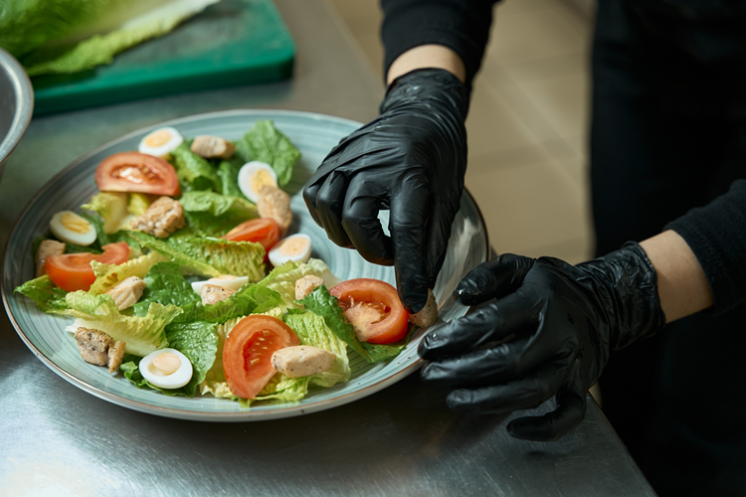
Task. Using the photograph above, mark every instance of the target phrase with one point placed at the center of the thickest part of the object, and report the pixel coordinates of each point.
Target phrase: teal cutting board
(231, 43)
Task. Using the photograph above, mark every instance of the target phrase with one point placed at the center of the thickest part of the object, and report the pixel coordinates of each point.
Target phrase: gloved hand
(411, 160)
(566, 320)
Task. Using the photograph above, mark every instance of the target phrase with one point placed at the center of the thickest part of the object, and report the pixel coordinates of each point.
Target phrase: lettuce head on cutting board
(68, 36)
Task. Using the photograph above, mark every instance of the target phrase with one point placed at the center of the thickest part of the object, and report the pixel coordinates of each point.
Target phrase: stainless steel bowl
(16, 105)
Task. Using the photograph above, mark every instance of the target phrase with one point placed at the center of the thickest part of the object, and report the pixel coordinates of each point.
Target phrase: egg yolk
(75, 223)
(165, 364)
(158, 138)
(261, 178)
(293, 246)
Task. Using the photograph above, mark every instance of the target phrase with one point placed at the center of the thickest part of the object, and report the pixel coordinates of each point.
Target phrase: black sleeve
(716, 234)
(461, 25)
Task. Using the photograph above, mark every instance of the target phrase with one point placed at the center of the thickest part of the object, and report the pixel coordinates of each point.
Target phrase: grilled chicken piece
(428, 315)
(47, 248)
(96, 347)
(213, 293)
(163, 217)
(306, 285)
(275, 204)
(127, 292)
(213, 147)
(302, 360)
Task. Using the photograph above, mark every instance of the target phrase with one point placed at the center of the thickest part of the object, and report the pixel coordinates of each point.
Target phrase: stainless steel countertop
(57, 440)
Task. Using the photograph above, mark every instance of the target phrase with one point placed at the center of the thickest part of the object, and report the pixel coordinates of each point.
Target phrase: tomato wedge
(374, 310)
(136, 172)
(73, 272)
(263, 230)
(247, 354)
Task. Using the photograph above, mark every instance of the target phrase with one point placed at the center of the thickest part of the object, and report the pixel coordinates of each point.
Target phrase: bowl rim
(24, 98)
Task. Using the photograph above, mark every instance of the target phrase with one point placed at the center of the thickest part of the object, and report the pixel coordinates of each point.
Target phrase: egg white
(226, 281)
(247, 172)
(175, 139)
(175, 380)
(302, 254)
(67, 235)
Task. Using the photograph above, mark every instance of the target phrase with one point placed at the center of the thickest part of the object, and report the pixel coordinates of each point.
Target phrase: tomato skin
(136, 172)
(263, 230)
(394, 326)
(247, 354)
(73, 272)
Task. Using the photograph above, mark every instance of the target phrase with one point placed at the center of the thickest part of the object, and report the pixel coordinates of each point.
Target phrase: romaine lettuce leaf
(197, 341)
(187, 263)
(228, 171)
(138, 203)
(112, 207)
(48, 297)
(193, 171)
(235, 258)
(213, 214)
(322, 303)
(312, 330)
(282, 278)
(142, 335)
(215, 382)
(108, 275)
(165, 285)
(266, 143)
(101, 48)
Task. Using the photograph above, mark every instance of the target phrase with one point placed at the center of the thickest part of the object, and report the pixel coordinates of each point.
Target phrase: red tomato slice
(73, 272)
(374, 310)
(247, 354)
(263, 230)
(136, 172)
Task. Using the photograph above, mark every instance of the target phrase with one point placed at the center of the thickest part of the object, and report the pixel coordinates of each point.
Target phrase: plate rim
(248, 415)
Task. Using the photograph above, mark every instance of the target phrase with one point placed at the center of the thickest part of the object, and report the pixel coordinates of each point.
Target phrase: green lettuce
(312, 330)
(282, 278)
(112, 207)
(47, 296)
(138, 203)
(197, 341)
(101, 47)
(142, 335)
(193, 171)
(234, 258)
(108, 275)
(266, 143)
(166, 285)
(322, 303)
(187, 263)
(213, 214)
(215, 382)
(228, 171)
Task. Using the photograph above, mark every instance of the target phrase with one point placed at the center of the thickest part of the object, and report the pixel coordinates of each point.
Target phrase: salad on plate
(182, 273)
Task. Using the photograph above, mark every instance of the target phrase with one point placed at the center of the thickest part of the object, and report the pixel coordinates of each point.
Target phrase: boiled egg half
(71, 228)
(166, 368)
(296, 248)
(253, 176)
(224, 280)
(160, 142)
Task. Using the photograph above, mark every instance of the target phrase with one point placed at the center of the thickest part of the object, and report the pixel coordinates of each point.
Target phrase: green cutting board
(231, 43)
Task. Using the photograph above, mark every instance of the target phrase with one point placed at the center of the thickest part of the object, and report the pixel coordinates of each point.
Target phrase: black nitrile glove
(411, 160)
(566, 320)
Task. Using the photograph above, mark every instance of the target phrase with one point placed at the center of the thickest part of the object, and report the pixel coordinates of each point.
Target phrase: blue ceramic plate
(314, 135)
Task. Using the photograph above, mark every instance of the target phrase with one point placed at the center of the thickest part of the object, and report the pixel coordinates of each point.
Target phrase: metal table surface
(57, 440)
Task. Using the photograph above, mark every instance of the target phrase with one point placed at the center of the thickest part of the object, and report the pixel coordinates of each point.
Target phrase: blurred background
(527, 124)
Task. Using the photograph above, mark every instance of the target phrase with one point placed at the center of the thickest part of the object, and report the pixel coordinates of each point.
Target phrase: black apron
(668, 134)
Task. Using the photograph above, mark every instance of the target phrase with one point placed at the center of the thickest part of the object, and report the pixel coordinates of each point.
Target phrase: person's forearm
(682, 286)
(427, 56)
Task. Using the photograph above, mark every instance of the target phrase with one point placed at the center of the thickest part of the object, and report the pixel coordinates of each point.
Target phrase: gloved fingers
(329, 205)
(439, 231)
(570, 412)
(527, 392)
(360, 222)
(493, 279)
(491, 322)
(410, 209)
(310, 192)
